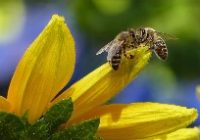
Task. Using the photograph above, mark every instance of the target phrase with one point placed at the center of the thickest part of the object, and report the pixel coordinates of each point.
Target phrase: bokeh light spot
(112, 7)
(11, 19)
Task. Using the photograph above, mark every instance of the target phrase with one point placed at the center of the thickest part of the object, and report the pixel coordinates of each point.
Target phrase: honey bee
(118, 46)
(154, 39)
(131, 39)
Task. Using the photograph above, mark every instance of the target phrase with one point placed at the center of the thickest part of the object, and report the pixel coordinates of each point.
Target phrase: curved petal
(181, 134)
(103, 83)
(4, 104)
(140, 120)
(45, 68)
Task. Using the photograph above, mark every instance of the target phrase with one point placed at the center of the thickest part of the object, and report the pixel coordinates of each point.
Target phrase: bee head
(140, 35)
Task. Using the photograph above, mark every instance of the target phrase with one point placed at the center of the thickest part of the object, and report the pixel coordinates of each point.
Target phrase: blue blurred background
(94, 23)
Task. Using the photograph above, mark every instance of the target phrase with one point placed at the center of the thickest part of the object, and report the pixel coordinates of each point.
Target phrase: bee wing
(105, 48)
(166, 36)
(114, 49)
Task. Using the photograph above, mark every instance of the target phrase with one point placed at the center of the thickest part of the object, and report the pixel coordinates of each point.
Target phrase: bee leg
(128, 56)
(151, 46)
(109, 61)
(131, 56)
(124, 52)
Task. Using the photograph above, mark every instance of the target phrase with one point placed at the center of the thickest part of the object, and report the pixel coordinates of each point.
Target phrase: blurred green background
(101, 20)
(96, 22)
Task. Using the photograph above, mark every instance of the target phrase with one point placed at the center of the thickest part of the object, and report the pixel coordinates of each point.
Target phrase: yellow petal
(103, 83)
(45, 68)
(140, 120)
(4, 104)
(198, 92)
(181, 134)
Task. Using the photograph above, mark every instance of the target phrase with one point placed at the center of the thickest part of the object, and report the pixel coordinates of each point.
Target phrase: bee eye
(142, 32)
(132, 34)
(147, 35)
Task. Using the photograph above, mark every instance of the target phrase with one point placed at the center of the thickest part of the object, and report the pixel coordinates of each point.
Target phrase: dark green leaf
(11, 126)
(59, 113)
(51, 120)
(24, 119)
(83, 131)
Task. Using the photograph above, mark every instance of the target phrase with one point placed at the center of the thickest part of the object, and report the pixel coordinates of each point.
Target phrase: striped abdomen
(116, 60)
(160, 48)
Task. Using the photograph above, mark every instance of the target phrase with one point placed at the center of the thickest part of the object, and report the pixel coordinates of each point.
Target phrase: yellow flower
(48, 65)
